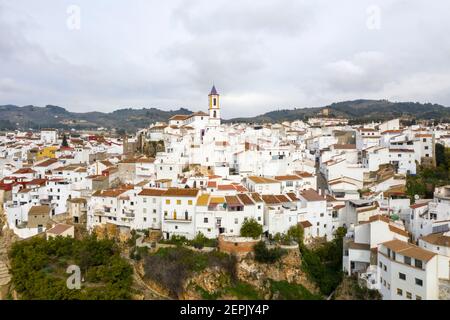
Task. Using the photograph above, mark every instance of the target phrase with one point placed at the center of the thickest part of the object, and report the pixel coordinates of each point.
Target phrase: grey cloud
(262, 55)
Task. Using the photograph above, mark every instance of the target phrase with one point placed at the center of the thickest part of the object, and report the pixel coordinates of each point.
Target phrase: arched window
(214, 101)
(215, 114)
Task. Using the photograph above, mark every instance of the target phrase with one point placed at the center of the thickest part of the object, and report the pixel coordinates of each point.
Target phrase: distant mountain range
(32, 117)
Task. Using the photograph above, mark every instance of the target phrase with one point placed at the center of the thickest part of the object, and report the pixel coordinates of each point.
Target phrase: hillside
(359, 110)
(32, 117)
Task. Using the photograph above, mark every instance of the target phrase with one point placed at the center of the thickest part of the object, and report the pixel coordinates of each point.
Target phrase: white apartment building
(408, 272)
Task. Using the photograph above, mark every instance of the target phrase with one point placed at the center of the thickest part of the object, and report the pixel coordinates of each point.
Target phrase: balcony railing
(177, 219)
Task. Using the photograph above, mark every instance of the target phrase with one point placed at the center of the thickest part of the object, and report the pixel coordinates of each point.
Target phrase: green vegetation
(427, 179)
(324, 264)
(243, 291)
(170, 267)
(265, 255)
(64, 142)
(138, 253)
(294, 234)
(38, 268)
(284, 290)
(153, 147)
(251, 228)
(199, 242)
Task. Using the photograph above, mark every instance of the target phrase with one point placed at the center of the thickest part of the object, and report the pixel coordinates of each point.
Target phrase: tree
(265, 255)
(64, 142)
(296, 233)
(251, 228)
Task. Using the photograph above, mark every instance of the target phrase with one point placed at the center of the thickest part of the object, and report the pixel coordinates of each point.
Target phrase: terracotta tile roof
(256, 197)
(262, 180)
(392, 131)
(311, 195)
(292, 196)
(152, 192)
(225, 187)
(437, 239)
(240, 188)
(418, 205)
(245, 199)
(305, 224)
(344, 146)
(77, 200)
(178, 192)
(46, 163)
(270, 199)
(59, 228)
(24, 171)
(304, 174)
(409, 250)
(358, 246)
(39, 210)
(287, 178)
(232, 201)
(283, 198)
(212, 184)
(179, 117)
(398, 230)
(111, 193)
(424, 135)
(379, 217)
(37, 182)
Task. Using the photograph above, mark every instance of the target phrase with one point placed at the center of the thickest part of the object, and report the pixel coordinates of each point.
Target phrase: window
(402, 276)
(144, 200)
(384, 267)
(418, 263)
(236, 220)
(419, 282)
(154, 210)
(167, 201)
(145, 210)
(408, 295)
(190, 202)
(178, 202)
(381, 264)
(145, 219)
(399, 292)
(418, 297)
(407, 260)
(205, 220)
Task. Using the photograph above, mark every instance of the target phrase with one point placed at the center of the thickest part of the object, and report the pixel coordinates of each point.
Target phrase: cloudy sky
(261, 54)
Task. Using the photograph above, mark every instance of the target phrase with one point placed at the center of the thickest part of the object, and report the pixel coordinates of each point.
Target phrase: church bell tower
(214, 107)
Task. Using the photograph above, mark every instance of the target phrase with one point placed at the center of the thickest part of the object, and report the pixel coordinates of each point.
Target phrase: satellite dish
(416, 197)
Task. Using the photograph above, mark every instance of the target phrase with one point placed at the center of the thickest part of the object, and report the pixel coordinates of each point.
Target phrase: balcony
(176, 218)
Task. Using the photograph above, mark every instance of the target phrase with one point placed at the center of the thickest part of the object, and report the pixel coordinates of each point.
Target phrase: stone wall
(236, 245)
